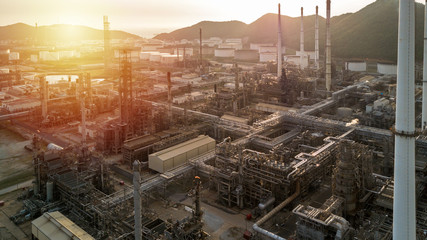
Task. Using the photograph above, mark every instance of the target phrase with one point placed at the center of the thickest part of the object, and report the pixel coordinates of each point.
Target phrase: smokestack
(328, 76)
(137, 200)
(44, 96)
(89, 89)
(107, 50)
(404, 153)
(198, 212)
(201, 54)
(279, 46)
(316, 41)
(424, 107)
(301, 40)
(169, 95)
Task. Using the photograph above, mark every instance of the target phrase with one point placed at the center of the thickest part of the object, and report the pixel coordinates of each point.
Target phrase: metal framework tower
(404, 163)
(125, 90)
(279, 45)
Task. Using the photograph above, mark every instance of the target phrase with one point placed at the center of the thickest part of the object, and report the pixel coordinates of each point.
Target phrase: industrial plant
(217, 138)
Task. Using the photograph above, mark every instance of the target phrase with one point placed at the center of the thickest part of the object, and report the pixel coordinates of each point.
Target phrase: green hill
(368, 33)
(58, 32)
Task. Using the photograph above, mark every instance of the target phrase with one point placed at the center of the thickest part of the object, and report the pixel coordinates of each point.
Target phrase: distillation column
(404, 164)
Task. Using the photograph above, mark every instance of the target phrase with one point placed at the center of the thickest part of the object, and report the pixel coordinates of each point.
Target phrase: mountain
(58, 32)
(229, 29)
(368, 33)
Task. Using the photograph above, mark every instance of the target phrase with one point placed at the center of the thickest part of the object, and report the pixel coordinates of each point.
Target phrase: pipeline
(279, 207)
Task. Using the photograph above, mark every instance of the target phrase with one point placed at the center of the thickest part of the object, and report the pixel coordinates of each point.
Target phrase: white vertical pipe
(424, 107)
(328, 75)
(316, 42)
(404, 163)
(137, 200)
(301, 46)
(279, 46)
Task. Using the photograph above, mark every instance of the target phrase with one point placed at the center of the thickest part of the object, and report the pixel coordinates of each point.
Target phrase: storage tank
(246, 55)
(49, 191)
(355, 66)
(387, 68)
(224, 52)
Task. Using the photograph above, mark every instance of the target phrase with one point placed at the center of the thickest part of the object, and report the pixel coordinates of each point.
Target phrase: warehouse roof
(54, 225)
(183, 147)
(141, 141)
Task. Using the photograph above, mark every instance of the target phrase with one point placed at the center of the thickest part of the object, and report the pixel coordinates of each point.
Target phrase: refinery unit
(208, 138)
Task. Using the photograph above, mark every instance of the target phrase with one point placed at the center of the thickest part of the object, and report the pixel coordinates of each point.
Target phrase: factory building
(224, 52)
(356, 66)
(387, 68)
(178, 155)
(296, 60)
(246, 55)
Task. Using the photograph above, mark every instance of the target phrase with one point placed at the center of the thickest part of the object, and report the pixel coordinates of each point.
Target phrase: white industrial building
(155, 57)
(188, 51)
(168, 59)
(13, 56)
(310, 54)
(356, 66)
(297, 60)
(267, 56)
(236, 46)
(258, 46)
(34, 58)
(246, 55)
(224, 52)
(48, 56)
(387, 69)
(55, 226)
(178, 155)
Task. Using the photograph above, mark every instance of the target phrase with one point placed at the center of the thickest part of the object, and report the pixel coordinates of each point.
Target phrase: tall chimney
(44, 96)
(201, 53)
(328, 75)
(137, 200)
(301, 39)
(424, 107)
(316, 41)
(169, 96)
(107, 50)
(279, 46)
(404, 153)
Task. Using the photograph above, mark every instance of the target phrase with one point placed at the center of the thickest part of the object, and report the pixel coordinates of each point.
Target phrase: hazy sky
(144, 17)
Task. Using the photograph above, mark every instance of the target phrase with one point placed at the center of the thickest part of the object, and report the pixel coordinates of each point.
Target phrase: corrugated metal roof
(183, 147)
(57, 226)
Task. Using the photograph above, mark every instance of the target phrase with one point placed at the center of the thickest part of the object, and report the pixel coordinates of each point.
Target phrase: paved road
(16, 186)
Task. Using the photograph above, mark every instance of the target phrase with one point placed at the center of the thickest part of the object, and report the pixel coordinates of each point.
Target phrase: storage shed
(177, 155)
